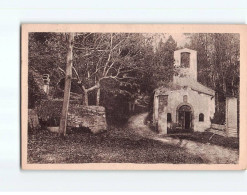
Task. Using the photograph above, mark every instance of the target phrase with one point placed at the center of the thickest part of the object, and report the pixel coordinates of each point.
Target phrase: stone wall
(218, 127)
(92, 117)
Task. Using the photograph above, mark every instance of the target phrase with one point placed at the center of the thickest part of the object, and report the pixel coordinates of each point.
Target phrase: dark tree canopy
(218, 56)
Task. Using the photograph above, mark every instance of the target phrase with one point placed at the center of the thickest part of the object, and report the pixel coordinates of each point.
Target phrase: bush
(219, 116)
(35, 92)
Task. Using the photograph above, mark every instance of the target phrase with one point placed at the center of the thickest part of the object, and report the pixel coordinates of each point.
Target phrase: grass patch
(208, 137)
(117, 145)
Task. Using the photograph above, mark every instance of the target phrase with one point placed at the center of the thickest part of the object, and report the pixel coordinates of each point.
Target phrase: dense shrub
(117, 110)
(35, 92)
(220, 113)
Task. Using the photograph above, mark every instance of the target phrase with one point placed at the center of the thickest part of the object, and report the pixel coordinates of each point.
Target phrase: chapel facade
(184, 104)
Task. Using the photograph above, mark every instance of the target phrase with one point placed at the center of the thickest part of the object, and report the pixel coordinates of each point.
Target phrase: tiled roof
(193, 84)
(186, 82)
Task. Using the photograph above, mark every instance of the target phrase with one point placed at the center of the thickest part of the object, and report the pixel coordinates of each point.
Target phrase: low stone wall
(218, 127)
(223, 130)
(92, 117)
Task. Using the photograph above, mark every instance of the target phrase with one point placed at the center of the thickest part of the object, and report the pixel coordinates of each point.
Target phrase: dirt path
(209, 153)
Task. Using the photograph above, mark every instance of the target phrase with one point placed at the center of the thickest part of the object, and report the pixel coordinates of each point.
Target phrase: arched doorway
(185, 117)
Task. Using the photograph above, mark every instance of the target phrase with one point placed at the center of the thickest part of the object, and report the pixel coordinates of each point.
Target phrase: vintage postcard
(133, 97)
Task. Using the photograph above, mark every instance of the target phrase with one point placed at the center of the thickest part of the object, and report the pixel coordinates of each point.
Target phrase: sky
(180, 38)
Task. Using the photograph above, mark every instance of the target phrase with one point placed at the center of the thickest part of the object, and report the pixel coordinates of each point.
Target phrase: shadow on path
(210, 153)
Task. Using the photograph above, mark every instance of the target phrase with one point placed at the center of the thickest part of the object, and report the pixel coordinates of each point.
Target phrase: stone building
(184, 104)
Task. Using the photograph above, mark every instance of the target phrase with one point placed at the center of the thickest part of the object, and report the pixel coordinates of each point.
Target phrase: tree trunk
(98, 97)
(85, 100)
(85, 91)
(64, 114)
(216, 102)
(224, 85)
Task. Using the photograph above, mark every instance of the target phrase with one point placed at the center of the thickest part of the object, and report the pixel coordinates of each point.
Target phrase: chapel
(184, 104)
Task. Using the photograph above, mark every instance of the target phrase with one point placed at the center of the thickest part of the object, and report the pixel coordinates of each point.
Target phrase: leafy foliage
(117, 66)
(218, 65)
(35, 92)
(47, 52)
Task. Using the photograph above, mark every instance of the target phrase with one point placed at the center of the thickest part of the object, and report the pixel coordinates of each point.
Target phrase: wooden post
(68, 76)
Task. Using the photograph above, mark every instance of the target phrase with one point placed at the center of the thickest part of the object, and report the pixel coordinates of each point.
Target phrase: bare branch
(107, 62)
(127, 78)
(76, 74)
(87, 55)
(92, 49)
(97, 70)
(118, 44)
(83, 87)
(108, 77)
(132, 69)
(111, 40)
(94, 87)
(109, 68)
(61, 70)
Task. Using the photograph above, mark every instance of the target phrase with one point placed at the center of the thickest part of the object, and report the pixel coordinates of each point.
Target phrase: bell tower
(186, 63)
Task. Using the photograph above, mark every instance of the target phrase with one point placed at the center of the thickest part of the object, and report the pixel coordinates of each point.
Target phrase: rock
(33, 120)
(53, 129)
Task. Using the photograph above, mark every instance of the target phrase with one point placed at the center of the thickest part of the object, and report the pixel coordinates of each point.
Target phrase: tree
(68, 76)
(107, 57)
(106, 65)
(165, 61)
(161, 70)
(218, 64)
(218, 55)
(35, 91)
(47, 54)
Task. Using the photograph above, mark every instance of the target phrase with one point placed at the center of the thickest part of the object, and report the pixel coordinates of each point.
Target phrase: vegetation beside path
(117, 145)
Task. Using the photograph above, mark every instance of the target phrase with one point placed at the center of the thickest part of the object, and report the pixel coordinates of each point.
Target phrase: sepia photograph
(123, 96)
(107, 97)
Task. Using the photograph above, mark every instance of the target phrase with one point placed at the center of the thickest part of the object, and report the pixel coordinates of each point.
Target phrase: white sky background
(180, 38)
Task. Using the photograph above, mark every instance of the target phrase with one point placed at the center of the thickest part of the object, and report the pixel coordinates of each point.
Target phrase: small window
(201, 117)
(185, 59)
(169, 117)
